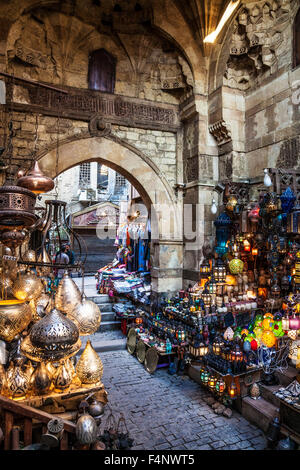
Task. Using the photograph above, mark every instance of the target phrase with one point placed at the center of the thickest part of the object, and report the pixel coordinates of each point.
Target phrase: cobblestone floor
(168, 412)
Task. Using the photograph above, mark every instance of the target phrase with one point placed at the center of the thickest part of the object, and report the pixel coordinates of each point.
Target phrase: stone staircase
(109, 336)
(262, 411)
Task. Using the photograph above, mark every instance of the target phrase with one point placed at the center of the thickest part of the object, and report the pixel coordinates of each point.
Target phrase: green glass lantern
(220, 386)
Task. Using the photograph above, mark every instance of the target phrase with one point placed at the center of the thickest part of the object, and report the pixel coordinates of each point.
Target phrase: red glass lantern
(254, 251)
(220, 386)
(247, 246)
(294, 323)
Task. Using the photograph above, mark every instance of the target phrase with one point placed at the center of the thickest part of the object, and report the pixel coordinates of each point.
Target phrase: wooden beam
(10, 406)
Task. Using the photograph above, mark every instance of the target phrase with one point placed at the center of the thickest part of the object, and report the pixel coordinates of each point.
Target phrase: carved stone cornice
(83, 104)
(221, 132)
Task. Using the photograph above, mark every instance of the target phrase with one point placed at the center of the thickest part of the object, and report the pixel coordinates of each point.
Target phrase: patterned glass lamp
(222, 224)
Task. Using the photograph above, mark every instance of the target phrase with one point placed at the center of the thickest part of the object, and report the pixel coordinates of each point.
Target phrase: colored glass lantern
(212, 382)
(268, 338)
(294, 322)
(254, 214)
(236, 354)
(220, 386)
(204, 377)
(293, 220)
(236, 265)
(287, 200)
(232, 390)
(222, 224)
(247, 246)
(254, 251)
(212, 285)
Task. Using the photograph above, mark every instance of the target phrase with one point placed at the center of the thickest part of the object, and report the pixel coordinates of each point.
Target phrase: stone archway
(156, 192)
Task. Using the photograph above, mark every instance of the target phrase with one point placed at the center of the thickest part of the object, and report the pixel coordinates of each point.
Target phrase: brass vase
(17, 382)
(27, 286)
(89, 368)
(87, 316)
(40, 380)
(68, 295)
(15, 316)
(86, 429)
(62, 378)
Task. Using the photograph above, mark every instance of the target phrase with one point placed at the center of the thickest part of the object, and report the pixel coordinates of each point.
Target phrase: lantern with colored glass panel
(247, 246)
(212, 286)
(236, 354)
(232, 390)
(285, 322)
(212, 382)
(220, 386)
(204, 377)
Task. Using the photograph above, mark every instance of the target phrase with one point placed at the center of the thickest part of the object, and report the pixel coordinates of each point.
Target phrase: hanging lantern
(231, 203)
(219, 271)
(27, 286)
(275, 290)
(205, 267)
(220, 386)
(89, 367)
(232, 390)
(15, 316)
(228, 334)
(68, 296)
(247, 246)
(36, 181)
(287, 200)
(236, 265)
(222, 224)
(293, 220)
(86, 315)
(254, 251)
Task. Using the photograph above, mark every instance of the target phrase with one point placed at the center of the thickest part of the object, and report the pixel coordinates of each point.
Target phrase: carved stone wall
(54, 47)
(260, 42)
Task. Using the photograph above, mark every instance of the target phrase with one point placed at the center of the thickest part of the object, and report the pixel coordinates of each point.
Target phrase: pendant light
(267, 179)
(35, 180)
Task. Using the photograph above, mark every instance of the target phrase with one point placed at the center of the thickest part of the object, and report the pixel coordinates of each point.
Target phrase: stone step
(107, 316)
(267, 393)
(109, 326)
(105, 307)
(287, 376)
(259, 412)
(108, 345)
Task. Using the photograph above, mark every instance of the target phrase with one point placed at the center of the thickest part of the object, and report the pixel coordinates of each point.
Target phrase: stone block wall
(159, 146)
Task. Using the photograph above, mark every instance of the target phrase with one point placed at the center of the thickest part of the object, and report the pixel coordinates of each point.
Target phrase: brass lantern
(206, 296)
(203, 349)
(219, 271)
(205, 267)
(218, 344)
(236, 354)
